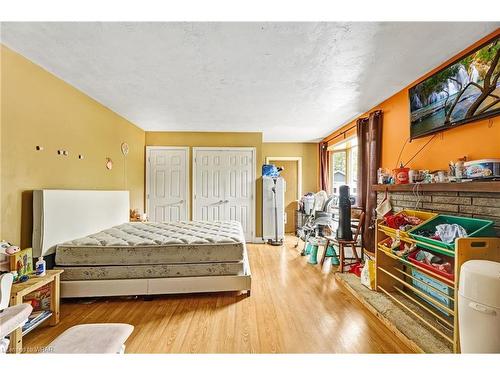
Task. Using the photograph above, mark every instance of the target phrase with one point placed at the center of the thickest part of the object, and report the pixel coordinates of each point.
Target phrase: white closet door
(167, 189)
(224, 186)
(239, 189)
(209, 189)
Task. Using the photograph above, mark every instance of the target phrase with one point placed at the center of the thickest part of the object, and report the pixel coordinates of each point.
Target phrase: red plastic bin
(449, 276)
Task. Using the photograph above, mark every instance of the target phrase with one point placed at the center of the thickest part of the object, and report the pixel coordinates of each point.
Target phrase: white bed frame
(64, 215)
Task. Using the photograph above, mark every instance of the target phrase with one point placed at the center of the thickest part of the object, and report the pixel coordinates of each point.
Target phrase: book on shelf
(39, 299)
(36, 317)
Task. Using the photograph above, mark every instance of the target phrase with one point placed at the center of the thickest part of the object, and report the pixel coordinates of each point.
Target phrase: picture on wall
(464, 91)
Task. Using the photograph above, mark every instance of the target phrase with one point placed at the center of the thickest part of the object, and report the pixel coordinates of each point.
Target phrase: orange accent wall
(477, 140)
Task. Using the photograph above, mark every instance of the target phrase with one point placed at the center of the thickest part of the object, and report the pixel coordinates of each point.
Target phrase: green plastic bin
(474, 228)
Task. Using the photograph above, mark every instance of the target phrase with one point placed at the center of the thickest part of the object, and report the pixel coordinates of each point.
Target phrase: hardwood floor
(295, 307)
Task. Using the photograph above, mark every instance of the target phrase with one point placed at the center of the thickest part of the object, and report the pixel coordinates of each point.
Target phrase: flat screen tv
(464, 91)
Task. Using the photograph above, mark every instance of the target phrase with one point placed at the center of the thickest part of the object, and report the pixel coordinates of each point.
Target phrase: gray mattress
(151, 271)
(156, 243)
(155, 250)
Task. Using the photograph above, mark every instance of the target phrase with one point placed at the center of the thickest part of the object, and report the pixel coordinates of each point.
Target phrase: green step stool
(314, 244)
(308, 248)
(313, 256)
(330, 252)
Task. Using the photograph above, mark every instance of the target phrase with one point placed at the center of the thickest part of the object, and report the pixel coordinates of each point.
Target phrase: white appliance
(273, 210)
(479, 307)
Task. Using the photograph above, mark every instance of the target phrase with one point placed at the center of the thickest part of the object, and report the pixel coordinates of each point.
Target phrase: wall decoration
(109, 163)
(125, 148)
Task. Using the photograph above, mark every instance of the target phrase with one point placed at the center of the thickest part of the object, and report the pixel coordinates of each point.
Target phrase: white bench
(104, 338)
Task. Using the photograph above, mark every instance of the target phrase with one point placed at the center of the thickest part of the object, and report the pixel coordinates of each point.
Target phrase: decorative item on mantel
(460, 170)
(401, 175)
(482, 169)
(487, 186)
(457, 169)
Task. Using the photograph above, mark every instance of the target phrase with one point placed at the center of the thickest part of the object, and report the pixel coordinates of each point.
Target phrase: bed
(116, 257)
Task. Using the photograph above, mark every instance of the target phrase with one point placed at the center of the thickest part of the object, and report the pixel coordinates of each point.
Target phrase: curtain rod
(341, 133)
(352, 127)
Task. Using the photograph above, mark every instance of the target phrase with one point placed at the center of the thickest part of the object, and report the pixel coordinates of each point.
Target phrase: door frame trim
(148, 171)
(298, 159)
(254, 173)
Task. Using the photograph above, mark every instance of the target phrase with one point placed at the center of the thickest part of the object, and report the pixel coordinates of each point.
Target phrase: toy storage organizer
(428, 295)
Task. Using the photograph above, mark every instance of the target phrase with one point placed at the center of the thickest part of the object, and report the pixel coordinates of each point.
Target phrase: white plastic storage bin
(479, 307)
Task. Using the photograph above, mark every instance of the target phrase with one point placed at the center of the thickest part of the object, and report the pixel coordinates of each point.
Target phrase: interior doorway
(292, 174)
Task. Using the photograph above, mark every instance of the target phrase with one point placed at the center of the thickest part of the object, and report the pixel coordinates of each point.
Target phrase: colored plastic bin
(422, 283)
(385, 244)
(449, 276)
(473, 227)
(425, 216)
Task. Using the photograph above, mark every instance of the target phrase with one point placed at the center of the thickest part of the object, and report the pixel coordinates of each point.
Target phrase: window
(344, 165)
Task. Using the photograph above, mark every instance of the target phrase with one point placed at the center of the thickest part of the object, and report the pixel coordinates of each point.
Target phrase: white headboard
(64, 215)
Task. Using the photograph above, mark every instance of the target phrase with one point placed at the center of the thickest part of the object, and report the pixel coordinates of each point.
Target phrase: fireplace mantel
(474, 186)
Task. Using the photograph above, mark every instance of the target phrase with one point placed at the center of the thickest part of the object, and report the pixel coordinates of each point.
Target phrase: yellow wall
(205, 139)
(476, 140)
(40, 109)
(309, 154)
(216, 139)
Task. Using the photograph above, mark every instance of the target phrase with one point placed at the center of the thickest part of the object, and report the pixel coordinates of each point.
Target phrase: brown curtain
(324, 167)
(369, 131)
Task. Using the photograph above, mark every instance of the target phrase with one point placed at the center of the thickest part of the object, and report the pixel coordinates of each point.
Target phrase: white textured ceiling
(292, 81)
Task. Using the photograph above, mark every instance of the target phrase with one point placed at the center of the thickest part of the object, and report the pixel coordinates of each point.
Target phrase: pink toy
(12, 250)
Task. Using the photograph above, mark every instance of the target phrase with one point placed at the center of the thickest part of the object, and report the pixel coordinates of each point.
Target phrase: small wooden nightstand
(19, 290)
